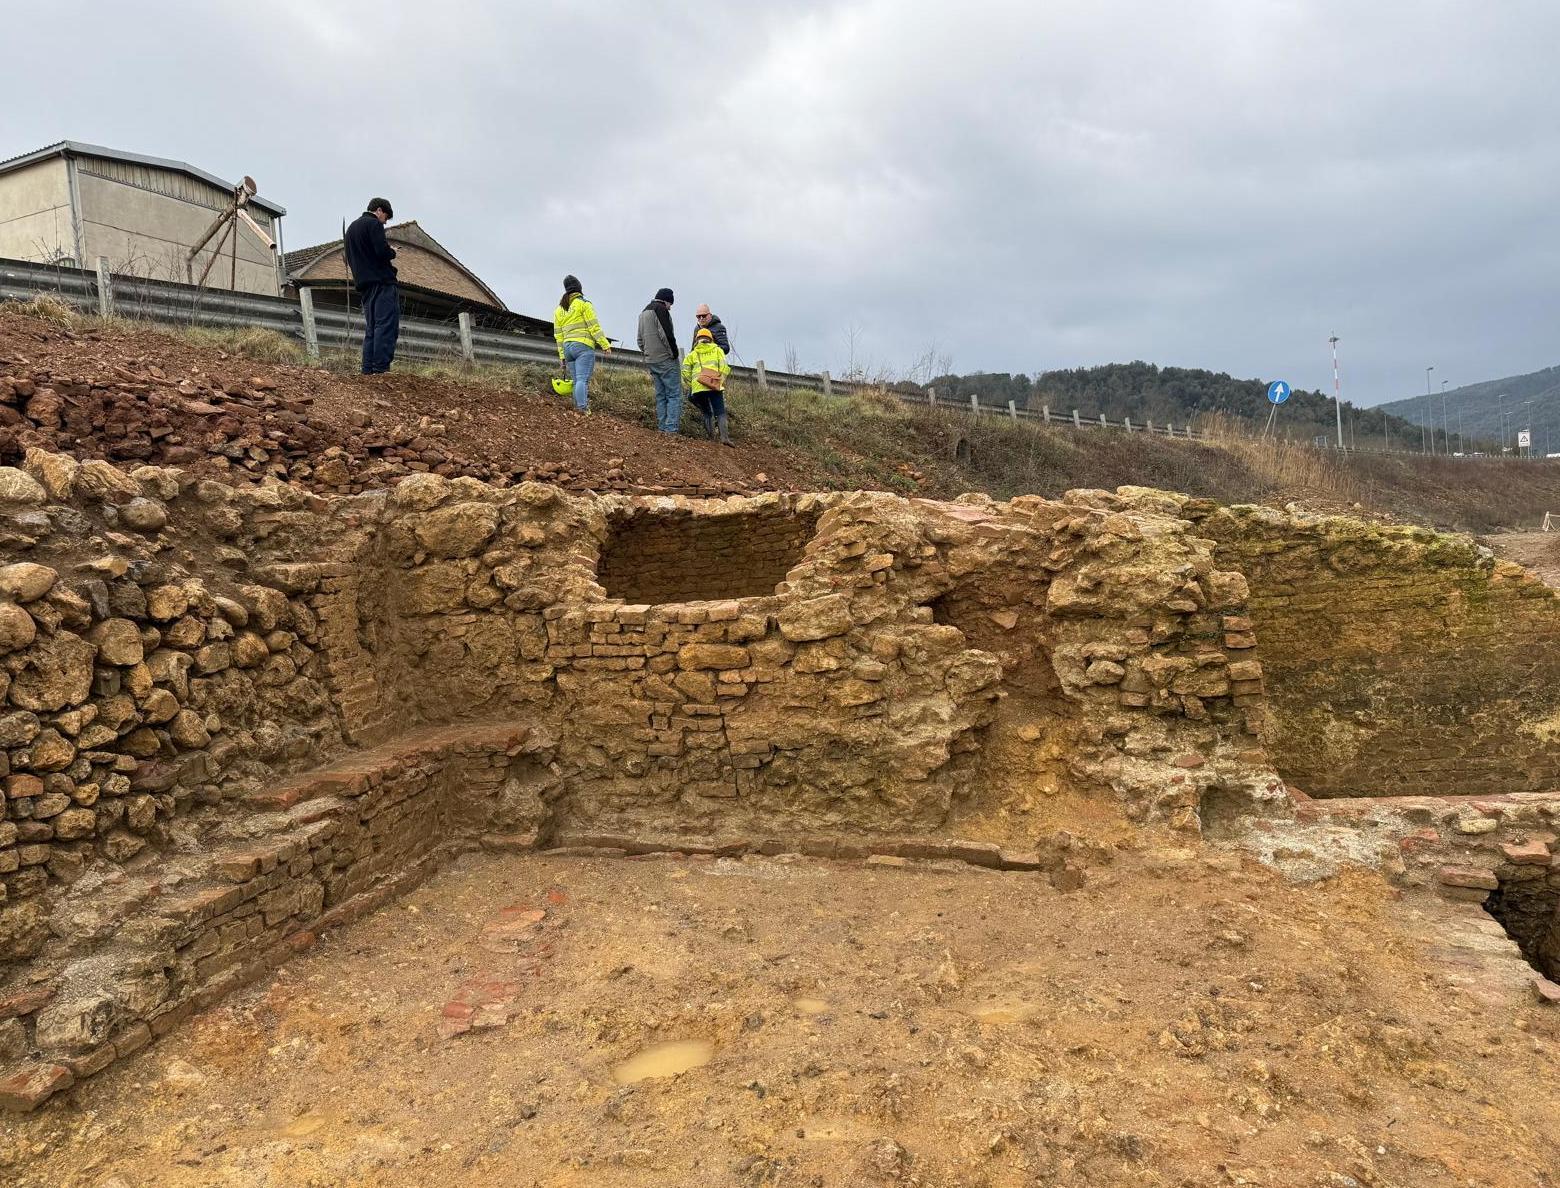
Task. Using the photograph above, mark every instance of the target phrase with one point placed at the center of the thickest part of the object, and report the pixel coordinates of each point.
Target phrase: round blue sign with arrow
(1278, 392)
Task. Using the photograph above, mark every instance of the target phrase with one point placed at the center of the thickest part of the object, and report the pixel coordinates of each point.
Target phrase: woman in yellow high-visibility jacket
(704, 371)
(578, 334)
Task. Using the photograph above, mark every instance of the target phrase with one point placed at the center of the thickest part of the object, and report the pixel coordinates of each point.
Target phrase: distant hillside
(1179, 395)
(1477, 407)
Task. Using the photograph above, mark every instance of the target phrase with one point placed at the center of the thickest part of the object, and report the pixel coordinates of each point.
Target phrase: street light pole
(1337, 390)
(1502, 399)
(1429, 414)
(1446, 422)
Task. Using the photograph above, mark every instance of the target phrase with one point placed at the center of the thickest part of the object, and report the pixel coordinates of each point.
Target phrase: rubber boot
(709, 424)
(725, 438)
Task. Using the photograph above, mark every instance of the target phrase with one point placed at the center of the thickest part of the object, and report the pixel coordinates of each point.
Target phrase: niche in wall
(654, 556)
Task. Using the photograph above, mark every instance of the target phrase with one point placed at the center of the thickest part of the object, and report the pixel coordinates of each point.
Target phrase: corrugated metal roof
(77, 148)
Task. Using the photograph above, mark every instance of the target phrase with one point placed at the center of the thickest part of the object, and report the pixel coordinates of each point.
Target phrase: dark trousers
(381, 326)
(711, 404)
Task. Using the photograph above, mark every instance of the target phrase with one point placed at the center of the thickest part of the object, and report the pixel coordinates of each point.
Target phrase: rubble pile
(141, 398)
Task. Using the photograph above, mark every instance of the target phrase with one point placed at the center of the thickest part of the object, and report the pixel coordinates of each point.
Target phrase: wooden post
(1127, 421)
(468, 349)
(1077, 424)
(1012, 411)
(105, 287)
(1045, 413)
(763, 376)
(311, 333)
(828, 385)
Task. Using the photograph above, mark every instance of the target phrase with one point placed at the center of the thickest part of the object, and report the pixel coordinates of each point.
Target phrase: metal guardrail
(334, 329)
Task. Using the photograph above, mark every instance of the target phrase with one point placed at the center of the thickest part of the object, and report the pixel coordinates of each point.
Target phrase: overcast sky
(1026, 186)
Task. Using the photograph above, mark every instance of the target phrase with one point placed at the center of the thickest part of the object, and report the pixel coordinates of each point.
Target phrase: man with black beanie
(368, 256)
(658, 344)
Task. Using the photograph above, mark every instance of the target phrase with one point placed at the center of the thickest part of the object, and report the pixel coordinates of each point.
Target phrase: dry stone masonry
(234, 716)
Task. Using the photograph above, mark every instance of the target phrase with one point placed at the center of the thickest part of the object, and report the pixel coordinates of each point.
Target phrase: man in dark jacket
(658, 344)
(708, 321)
(368, 256)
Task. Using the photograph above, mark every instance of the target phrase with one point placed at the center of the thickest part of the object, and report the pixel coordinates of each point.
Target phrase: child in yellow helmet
(704, 372)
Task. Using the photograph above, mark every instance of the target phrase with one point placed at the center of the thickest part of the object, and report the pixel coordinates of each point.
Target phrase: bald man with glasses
(705, 320)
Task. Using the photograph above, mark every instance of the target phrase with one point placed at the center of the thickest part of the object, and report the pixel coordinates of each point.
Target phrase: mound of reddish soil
(144, 397)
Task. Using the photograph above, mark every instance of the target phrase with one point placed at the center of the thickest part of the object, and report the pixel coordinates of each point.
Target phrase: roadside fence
(330, 328)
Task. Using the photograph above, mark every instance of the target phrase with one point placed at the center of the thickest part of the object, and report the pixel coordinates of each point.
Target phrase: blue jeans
(668, 395)
(381, 326)
(581, 361)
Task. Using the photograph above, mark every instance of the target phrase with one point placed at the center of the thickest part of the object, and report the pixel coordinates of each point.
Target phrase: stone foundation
(236, 716)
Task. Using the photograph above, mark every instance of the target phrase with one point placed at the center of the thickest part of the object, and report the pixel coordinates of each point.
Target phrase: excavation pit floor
(1187, 1018)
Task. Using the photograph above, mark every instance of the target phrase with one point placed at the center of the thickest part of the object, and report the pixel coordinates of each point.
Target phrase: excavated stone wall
(235, 716)
(1399, 661)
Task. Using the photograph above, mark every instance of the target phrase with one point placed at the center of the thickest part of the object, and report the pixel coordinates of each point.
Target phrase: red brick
(1533, 853)
(276, 799)
(1418, 840)
(29, 1086)
(25, 1002)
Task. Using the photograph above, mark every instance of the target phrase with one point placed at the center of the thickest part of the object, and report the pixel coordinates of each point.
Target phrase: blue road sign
(1278, 391)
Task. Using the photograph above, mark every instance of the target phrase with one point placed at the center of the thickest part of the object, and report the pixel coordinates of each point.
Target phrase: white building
(71, 203)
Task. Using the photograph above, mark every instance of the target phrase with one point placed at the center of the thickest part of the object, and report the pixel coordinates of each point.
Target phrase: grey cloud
(1215, 184)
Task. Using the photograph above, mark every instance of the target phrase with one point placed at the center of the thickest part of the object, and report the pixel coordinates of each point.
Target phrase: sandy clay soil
(1538, 551)
(1186, 1018)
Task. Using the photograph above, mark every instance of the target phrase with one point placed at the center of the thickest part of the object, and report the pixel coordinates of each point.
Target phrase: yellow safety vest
(578, 324)
(704, 354)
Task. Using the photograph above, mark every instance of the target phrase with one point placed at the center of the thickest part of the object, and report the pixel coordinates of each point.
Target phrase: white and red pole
(1337, 390)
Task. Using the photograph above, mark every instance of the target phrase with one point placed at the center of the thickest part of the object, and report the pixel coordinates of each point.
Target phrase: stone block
(1467, 876)
(701, 656)
(816, 618)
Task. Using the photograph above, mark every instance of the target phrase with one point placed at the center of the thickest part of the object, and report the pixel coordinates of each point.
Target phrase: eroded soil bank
(1185, 1018)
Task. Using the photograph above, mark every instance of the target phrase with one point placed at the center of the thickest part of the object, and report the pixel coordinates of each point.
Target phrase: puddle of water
(664, 1060)
(810, 1006)
(996, 1013)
